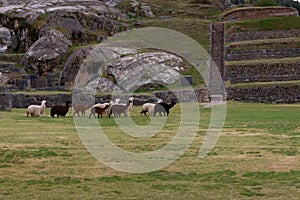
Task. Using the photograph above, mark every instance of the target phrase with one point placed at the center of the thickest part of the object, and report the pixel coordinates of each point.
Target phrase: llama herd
(112, 108)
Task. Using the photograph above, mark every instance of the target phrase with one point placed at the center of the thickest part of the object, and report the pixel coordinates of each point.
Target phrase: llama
(36, 110)
(80, 108)
(147, 107)
(60, 110)
(98, 110)
(118, 109)
(102, 105)
(163, 108)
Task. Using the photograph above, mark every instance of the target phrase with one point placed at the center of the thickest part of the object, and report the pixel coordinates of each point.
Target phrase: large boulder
(99, 68)
(46, 53)
(133, 71)
(87, 65)
(107, 69)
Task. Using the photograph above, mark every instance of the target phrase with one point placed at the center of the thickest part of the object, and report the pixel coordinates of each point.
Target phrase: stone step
(282, 43)
(9, 67)
(261, 35)
(11, 57)
(263, 70)
(262, 54)
(258, 78)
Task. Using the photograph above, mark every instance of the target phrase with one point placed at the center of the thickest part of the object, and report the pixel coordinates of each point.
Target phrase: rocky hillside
(44, 42)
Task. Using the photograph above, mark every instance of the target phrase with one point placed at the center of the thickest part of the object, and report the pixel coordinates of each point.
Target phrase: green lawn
(256, 157)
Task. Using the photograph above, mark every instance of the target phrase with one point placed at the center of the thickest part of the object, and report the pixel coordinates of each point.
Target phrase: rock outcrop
(46, 53)
(72, 66)
(107, 69)
(5, 39)
(133, 8)
(45, 29)
(133, 71)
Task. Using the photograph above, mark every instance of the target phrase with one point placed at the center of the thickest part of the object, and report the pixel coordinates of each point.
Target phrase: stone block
(186, 81)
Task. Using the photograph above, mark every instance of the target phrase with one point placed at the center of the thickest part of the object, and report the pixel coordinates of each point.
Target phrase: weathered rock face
(107, 69)
(72, 66)
(131, 72)
(103, 85)
(88, 64)
(9, 72)
(26, 27)
(5, 39)
(133, 8)
(84, 27)
(45, 54)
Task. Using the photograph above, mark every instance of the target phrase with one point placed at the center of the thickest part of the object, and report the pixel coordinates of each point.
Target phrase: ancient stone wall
(267, 94)
(261, 35)
(21, 100)
(263, 72)
(262, 54)
(259, 12)
(216, 69)
(217, 45)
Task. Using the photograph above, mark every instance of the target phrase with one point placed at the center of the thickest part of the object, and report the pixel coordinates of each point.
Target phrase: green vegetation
(268, 24)
(263, 84)
(195, 28)
(281, 43)
(185, 9)
(263, 61)
(286, 3)
(257, 156)
(266, 3)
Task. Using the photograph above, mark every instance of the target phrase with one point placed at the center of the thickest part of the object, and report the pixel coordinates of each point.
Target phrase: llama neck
(171, 105)
(128, 106)
(67, 106)
(43, 106)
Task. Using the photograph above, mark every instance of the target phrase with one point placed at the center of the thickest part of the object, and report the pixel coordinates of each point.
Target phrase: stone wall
(263, 72)
(22, 101)
(262, 54)
(259, 12)
(268, 94)
(200, 95)
(217, 45)
(216, 69)
(260, 35)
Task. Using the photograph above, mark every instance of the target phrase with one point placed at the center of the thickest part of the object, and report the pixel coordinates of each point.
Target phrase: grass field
(256, 157)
